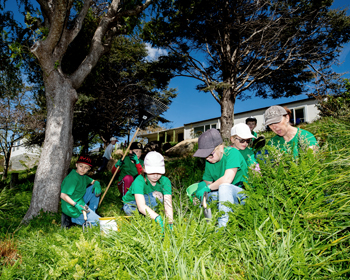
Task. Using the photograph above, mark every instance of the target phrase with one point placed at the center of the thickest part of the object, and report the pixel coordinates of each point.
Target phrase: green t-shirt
(74, 185)
(128, 168)
(254, 133)
(302, 139)
(231, 158)
(249, 156)
(139, 186)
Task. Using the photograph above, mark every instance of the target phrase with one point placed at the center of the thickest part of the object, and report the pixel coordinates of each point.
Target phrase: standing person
(108, 154)
(224, 174)
(252, 122)
(129, 168)
(146, 188)
(78, 190)
(288, 139)
(241, 137)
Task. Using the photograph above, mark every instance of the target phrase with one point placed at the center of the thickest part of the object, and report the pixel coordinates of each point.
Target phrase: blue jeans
(93, 201)
(130, 207)
(226, 193)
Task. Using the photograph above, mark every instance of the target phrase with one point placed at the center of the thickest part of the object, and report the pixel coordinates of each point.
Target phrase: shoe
(66, 221)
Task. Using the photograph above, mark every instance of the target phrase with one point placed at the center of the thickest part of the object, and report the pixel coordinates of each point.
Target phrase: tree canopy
(271, 48)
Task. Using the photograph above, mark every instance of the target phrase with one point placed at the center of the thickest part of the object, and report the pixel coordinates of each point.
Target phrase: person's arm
(227, 178)
(143, 208)
(168, 207)
(67, 199)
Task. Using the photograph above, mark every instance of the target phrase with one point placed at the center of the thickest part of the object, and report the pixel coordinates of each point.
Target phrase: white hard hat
(242, 130)
(154, 163)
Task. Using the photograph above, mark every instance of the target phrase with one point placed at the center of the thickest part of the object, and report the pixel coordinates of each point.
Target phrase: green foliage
(294, 225)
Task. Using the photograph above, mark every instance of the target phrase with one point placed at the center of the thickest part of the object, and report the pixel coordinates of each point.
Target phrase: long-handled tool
(206, 210)
(86, 224)
(150, 108)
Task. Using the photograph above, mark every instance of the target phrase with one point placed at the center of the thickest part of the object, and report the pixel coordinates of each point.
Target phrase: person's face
(251, 125)
(153, 177)
(138, 152)
(113, 142)
(282, 127)
(216, 155)
(82, 168)
(239, 143)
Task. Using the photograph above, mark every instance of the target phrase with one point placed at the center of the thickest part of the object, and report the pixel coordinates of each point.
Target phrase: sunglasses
(211, 155)
(243, 140)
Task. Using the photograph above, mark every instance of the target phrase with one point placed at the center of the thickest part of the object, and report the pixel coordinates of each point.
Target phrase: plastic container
(191, 190)
(108, 224)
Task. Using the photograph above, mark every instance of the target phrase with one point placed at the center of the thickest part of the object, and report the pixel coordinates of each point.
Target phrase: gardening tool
(150, 108)
(206, 210)
(86, 224)
(191, 190)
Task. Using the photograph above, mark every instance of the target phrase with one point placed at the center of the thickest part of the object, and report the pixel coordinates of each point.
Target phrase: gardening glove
(119, 163)
(79, 207)
(134, 158)
(96, 188)
(202, 188)
(159, 221)
(170, 227)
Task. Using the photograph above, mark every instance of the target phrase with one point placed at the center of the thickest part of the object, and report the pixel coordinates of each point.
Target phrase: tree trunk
(227, 111)
(58, 146)
(6, 164)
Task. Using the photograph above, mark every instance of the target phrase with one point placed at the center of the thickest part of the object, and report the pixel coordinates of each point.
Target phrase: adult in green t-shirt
(145, 189)
(129, 168)
(289, 138)
(224, 174)
(78, 190)
(240, 139)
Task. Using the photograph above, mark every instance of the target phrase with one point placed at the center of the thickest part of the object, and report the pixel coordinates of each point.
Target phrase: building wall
(308, 107)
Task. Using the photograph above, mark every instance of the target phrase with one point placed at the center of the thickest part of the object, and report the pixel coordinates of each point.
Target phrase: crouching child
(80, 193)
(146, 188)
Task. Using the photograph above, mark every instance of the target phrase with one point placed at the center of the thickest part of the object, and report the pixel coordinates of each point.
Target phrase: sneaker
(66, 221)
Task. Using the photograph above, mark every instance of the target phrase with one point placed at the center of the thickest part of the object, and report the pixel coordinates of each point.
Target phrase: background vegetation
(294, 225)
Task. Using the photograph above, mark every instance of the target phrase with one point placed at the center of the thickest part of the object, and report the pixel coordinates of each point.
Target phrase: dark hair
(251, 119)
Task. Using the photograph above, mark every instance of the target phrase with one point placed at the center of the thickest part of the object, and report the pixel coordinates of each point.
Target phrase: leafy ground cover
(294, 225)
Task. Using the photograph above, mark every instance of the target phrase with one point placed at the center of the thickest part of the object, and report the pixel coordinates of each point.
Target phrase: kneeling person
(145, 189)
(225, 171)
(78, 190)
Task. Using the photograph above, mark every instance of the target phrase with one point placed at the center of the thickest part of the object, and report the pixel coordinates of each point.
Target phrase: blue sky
(191, 105)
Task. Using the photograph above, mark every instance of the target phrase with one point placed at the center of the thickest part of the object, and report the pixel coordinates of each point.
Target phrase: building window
(198, 130)
(298, 116)
(213, 126)
(207, 127)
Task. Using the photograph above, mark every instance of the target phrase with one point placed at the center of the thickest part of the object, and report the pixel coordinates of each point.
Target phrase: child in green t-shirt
(146, 188)
(240, 139)
(78, 190)
(225, 172)
(251, 122)
(129, 168)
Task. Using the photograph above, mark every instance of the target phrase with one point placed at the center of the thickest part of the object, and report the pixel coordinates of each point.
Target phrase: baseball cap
(136, 145)
(242, 130)
(207, 142)
(113, 139)
(154, 163)
(85, 159)
(274, 114)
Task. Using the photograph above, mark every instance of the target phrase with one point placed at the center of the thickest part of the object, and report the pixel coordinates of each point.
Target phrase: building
(304, 110)
(23, 157)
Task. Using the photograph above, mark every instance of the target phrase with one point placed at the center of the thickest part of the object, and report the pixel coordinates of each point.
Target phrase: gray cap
(274, 114)
(207, 142)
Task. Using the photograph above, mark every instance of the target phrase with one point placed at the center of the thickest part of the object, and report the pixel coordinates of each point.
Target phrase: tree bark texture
(58, 145)
(227, 112)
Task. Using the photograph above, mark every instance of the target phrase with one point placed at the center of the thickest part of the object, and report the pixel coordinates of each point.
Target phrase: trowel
(206, 210)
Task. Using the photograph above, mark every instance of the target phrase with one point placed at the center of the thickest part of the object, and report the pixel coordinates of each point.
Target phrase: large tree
(59, 25)
(272, 48)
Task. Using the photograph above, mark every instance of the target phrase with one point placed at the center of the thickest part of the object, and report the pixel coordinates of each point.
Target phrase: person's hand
(134, 158)
(201, 190)
(96, 188)
(119, 163)
(81, 208)
(159, 221)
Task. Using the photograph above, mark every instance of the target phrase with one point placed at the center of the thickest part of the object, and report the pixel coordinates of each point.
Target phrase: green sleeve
(166, 185)
(138, 185)
(233, 159)
(68, 184)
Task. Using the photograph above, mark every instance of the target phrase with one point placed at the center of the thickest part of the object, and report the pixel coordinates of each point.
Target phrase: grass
(294, 225)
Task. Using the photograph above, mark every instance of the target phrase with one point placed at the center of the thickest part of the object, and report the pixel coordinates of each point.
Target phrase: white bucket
(108, 224)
